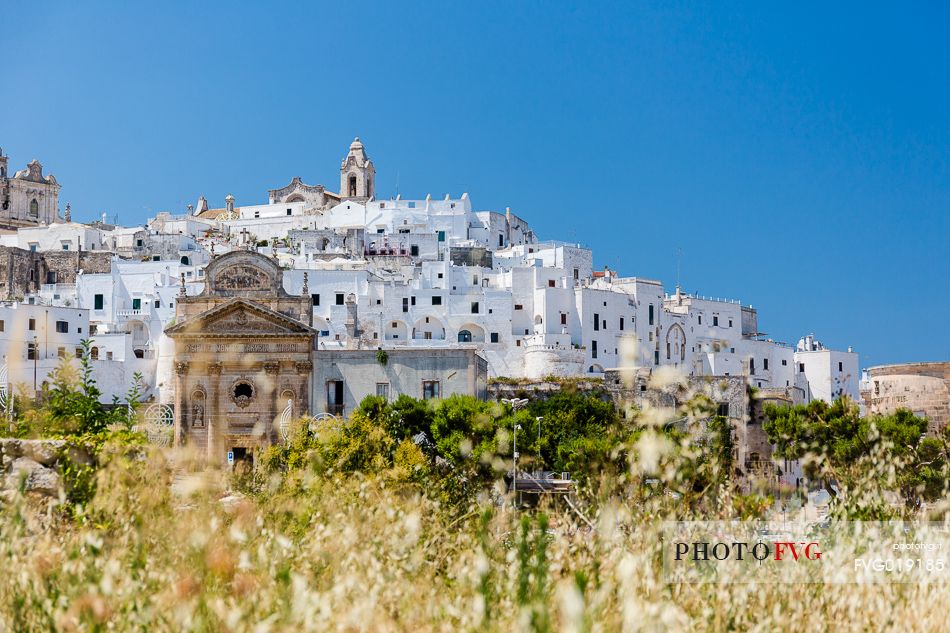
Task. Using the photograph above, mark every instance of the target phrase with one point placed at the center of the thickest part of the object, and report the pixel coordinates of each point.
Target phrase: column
(181, 370)
(214, 385)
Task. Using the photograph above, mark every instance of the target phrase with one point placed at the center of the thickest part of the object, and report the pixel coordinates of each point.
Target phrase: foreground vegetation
(398, 520)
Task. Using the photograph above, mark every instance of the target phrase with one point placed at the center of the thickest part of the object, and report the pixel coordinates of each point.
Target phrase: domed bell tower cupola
(357, 174)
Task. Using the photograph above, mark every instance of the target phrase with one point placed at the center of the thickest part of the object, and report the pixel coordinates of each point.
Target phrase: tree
(837, 443)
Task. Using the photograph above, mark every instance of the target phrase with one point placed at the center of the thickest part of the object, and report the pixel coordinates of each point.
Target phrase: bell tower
(357, 174)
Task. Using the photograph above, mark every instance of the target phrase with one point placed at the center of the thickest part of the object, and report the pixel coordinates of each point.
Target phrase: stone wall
(23, 272)
(38, 465)
(924, 388)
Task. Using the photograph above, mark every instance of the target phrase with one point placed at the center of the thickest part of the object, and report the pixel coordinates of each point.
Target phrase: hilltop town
(317, 298)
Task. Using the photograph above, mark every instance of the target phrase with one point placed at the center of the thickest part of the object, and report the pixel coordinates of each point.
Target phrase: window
(185, 261)
(339, 298)
(551, 283)
(440, 275)
(596, 322)
(257, 214)
(414, 250)
(382, 390)
(474, 307)
(576, 274)
(34, 208)
(621, 324)
(33, 247)
(722, 410)
(65, 246)
(1, 325)
(335, 397)
(474, 280)
(494, 337)
(840, 366)
(715, 321)
(730, 322)
(158, 258)
(501, 241)
(752, 366)
(593, 349)
(94, 353)
(51, 276)
(465, 336)
(651, 315)
(784, 363)
(436, 300)
(62, 327)
(31, 324)
(563, 318)
(31, 351)
(656, 357)
(667, 350)
(138, 243)
(412, 205)
(765, 364)
(315, 299)
(136, 304)
(430, 389)
(78, 352)
(700, 319)
(158, 303)
(441, 236)
(405, 305)
(290, 212)
(412, 300)
(60, 352)
(518, 306)
(801, 368)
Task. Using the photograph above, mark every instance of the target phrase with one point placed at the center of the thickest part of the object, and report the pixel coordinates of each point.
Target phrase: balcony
(132, 314)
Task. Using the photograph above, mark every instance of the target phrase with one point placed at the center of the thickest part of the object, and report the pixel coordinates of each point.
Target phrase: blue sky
(797, 157)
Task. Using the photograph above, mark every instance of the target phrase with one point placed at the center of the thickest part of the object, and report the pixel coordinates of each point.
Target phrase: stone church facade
(27, 198)
(243, 350)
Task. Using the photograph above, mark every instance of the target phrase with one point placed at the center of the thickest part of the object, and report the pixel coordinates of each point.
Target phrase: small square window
(436, 300)
(430, 389)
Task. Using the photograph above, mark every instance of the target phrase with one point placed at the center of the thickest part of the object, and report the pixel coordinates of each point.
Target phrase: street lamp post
(36, 354)
(516, 403)
(539, 419)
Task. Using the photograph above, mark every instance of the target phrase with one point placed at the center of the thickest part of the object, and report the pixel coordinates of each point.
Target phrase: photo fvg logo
(781, 551)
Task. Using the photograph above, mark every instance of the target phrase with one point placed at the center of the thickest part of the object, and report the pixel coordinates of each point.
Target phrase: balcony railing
(131, 313)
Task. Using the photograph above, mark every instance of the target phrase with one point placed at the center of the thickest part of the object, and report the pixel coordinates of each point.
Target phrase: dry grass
(375, 554)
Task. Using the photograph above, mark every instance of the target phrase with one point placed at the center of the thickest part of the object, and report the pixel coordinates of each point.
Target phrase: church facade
(243, 351)
(27, 198)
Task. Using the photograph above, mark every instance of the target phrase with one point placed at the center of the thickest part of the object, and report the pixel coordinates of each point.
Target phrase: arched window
(465, 336)
(352, 186)
(34, 208)
(94, 353)
(185, 260)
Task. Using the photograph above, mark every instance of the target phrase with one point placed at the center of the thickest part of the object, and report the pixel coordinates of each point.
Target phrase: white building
(426, 273)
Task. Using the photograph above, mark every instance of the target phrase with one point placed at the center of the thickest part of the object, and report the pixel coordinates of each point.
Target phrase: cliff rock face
(37, 465)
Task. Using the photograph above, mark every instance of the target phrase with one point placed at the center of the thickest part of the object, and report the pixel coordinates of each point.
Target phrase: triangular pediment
(240, 317)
